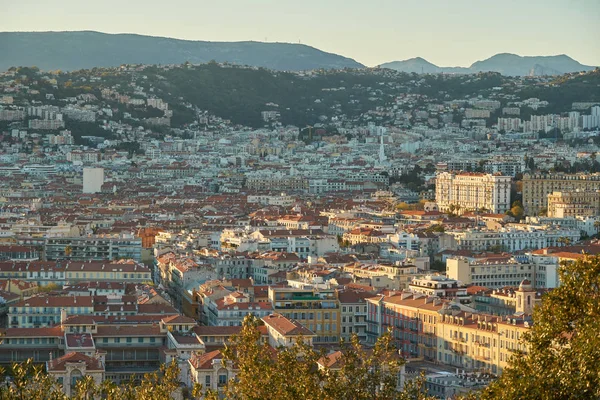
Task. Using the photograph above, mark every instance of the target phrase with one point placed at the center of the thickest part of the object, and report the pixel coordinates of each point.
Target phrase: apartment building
(578, 203)
(49, 310)
(42, 311)
(439, 286)
(130, 345)
(412, 319)
(537, 187)
(493, 273)
(383, 276)
(285, 332)
(70, 272)
(511, 238)
(354, 314)
(476, 342)
(94, 247)
(318, 310)
(231, 309)
(275, 182)
(472, 191)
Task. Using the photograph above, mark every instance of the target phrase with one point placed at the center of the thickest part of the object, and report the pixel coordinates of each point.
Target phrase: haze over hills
(88, 49)
(504, 63)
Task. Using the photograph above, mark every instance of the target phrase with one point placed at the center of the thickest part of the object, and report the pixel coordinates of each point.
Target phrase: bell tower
(525, 297)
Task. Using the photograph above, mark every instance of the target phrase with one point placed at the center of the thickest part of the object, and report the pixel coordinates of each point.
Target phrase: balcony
(482, 358)
(305, 306)
(131, 368)
(458, 339)
(458, 351)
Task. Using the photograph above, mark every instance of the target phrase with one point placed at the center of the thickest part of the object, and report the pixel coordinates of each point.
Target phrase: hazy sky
(445, 32)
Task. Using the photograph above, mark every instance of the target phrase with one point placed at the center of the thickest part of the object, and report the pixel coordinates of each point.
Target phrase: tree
(563, 344)
(292, 373)
(517, 210)
(565, 241)
(29, 381)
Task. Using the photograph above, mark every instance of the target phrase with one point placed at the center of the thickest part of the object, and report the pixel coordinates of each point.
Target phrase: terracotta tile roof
(60, 364)
(332, 360)
(56, 301)
(178, 319)
(156, 309)
(285, 326)
(124, 331)
(205, 360)
(54, 331)
(79, 340)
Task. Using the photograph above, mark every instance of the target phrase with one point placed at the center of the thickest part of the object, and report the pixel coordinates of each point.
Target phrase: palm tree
(597, 226)
(565, 241)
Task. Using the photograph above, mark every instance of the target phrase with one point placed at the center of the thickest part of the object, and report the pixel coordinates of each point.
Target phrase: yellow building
(584, 203)
(484, 342)
(316, 309)
(537, 187)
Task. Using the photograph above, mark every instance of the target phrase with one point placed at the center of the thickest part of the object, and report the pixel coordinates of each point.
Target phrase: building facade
(537, 187)
(472, 191)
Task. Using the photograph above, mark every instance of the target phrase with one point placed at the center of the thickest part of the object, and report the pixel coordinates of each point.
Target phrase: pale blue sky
(445, 32)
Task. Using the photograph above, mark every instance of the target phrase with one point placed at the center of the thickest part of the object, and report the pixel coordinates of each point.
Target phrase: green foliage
(240, 94)
(564, 343)
(564, 91)
(435, 228)
(49, 287)
(516, 211)
(30, 382)
(291, 373)
(79, 129)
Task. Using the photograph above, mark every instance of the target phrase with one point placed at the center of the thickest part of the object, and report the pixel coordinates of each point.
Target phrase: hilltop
(504, 63)
(87, 49)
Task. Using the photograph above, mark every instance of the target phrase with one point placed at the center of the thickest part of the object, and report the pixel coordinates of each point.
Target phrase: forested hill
(86, 49)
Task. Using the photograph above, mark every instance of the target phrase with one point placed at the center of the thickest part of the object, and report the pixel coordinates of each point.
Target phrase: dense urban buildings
(138, 225)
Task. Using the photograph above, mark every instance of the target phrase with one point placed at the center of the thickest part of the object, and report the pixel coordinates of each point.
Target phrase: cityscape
(171, 213)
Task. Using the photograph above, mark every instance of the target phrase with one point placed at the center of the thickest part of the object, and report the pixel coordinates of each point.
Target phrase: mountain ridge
(72, 50)
(504, 63)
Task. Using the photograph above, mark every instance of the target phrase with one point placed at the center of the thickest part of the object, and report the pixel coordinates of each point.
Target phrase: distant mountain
(506, 64)
(87, 49)
(418, 65)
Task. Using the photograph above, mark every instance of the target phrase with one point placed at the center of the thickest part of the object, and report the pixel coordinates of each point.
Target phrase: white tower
(93, 179)
(382, 157)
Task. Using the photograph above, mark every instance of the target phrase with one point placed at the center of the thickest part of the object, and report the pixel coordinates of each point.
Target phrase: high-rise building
(473, 191)
(93, 179)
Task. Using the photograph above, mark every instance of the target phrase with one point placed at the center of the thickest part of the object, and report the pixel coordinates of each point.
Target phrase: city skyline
(477, 32)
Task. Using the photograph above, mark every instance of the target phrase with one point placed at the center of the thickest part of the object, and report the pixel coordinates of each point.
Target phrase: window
(207, 380)
(117, 340)
(140, 340)
(128, 340)
(222, 380)
(104, 340)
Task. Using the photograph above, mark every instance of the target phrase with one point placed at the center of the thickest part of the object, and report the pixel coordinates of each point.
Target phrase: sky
(444, 32)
